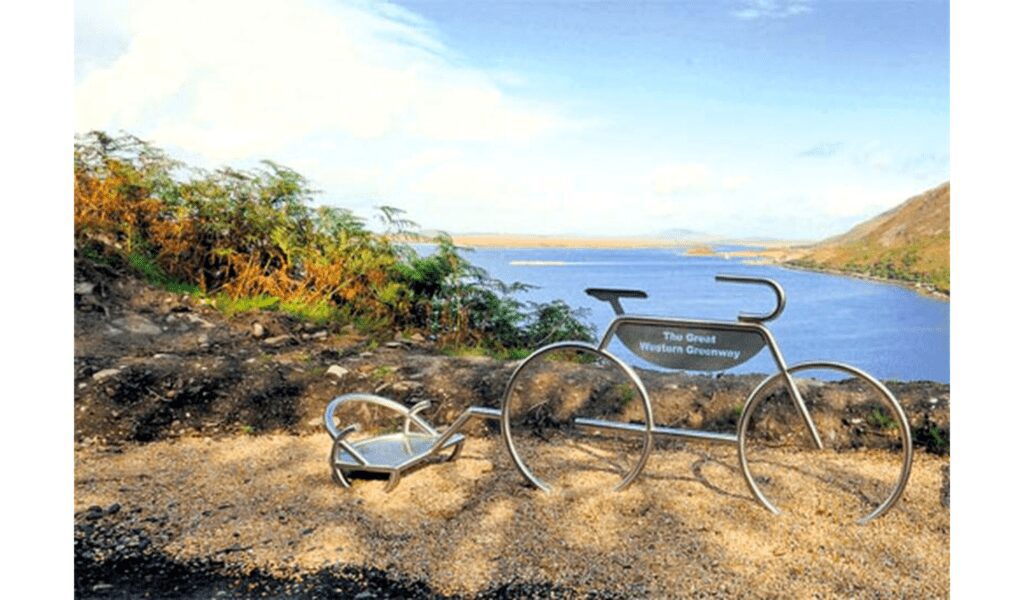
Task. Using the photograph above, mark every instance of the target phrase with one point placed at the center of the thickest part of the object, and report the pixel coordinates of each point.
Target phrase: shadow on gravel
(113, 561)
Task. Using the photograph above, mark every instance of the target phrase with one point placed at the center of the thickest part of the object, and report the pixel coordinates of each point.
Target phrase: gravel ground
(259, 516)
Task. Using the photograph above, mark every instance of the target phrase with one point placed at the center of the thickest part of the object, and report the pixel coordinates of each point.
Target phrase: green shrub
(251, 240)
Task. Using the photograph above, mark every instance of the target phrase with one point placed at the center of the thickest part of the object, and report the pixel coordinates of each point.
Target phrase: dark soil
(152, 365)
(117, 559)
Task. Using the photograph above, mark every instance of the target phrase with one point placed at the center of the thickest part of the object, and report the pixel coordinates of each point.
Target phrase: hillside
(907, 243)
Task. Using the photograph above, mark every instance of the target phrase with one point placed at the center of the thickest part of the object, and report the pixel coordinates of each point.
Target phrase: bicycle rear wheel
(865, 463)
(576, 417)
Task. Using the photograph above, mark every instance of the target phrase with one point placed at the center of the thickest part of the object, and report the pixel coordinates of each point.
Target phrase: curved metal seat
(392, 453)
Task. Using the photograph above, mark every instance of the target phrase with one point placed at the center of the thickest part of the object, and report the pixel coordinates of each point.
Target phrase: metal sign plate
(690, 348)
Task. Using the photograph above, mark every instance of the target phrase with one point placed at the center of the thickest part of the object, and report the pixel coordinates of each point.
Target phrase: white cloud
(845, 202)
(678, 178)
(771, 9)
(370, 104)
(233, 79)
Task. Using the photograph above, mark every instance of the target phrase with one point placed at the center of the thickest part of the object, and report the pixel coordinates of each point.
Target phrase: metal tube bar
(635, 428)
(472, 411)
(352, 451)
(780, 296)
(794, 393)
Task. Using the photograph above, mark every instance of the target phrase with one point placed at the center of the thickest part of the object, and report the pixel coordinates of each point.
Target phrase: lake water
(889, 331)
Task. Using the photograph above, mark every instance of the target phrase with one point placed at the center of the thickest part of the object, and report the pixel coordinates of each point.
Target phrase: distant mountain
(908, 243)
(682, 234)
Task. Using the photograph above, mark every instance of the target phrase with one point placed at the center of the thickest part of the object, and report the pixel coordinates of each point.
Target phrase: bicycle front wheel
(576, 417)
(867, 452)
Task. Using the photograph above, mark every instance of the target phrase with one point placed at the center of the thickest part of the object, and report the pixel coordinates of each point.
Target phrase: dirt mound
(151, 365)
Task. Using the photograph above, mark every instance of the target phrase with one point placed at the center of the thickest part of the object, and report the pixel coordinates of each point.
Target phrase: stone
(319, 335)
(418, 338)
(84, 288)
(104, 374)
(199, 320)
(337, 371)
(258, 331)
(407, 386)
(278, 340)
(137, 324)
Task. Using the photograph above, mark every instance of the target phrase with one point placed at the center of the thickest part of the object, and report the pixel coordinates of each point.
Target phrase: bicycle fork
(801, 406)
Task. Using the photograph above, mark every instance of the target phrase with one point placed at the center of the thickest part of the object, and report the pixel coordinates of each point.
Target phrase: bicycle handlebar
(780, 296)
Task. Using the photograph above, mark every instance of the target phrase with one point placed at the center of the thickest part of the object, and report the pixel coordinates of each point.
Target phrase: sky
(789, 119)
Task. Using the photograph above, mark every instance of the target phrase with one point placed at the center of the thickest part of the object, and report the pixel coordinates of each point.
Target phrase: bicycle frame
(693, 324)
(709, 346)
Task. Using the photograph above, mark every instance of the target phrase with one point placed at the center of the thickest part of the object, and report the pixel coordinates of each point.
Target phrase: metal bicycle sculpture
(671, 343)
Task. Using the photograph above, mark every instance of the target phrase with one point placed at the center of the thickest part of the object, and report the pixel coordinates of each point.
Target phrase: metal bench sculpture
(393, 453)
(712, 346)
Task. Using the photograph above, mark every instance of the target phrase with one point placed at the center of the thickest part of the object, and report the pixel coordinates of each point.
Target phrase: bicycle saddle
(608, 294)
(612, 296)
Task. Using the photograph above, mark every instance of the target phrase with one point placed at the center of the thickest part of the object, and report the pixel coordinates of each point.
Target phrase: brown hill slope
(908, 243)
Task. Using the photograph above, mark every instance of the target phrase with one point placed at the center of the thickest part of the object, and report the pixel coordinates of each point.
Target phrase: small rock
(84, 288)
(93, 512)
(258, 331)
(105, 373)
(199, 320)
(418, 338)
(137, 324)
(365, 354)
(319, 335)
(407, 386)
(393, 345)
(203, 339)
(278, 340)
(337, 371)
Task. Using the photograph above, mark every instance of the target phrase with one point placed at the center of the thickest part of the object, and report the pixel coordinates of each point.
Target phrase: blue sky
(786, 119)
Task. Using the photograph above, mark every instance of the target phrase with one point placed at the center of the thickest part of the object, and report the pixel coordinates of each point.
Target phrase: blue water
(890, 331)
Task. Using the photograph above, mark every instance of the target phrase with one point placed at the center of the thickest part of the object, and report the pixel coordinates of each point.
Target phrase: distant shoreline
(561, 241)
(920, 288)
(776, 253)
